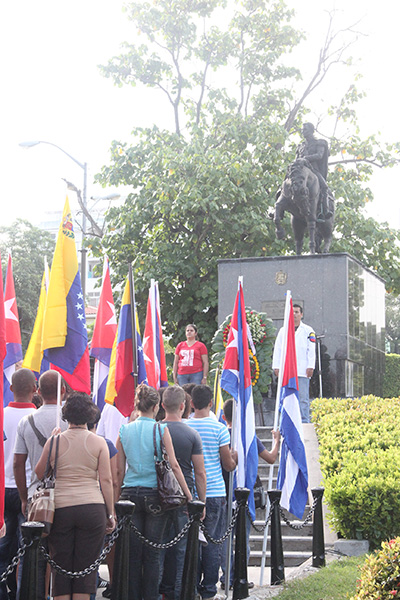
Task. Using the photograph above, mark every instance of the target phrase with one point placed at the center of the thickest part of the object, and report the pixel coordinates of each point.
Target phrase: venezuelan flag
(121, 386)
(64, 334)
(33, 359)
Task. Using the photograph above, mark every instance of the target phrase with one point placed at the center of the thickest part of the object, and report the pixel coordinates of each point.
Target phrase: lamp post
(84, 167)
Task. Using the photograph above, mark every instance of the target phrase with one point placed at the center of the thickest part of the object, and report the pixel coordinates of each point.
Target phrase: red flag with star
(2, 357)
(104, 333)
(153, 344)
(13, 333)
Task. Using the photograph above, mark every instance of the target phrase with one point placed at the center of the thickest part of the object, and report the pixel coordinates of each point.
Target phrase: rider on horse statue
(316, 152)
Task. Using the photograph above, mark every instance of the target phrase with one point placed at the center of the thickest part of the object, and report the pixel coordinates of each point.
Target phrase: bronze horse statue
(300, 195)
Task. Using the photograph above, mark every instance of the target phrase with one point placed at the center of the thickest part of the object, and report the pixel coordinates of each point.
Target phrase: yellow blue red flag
(64, 334)
(121, 385)
(33, 358)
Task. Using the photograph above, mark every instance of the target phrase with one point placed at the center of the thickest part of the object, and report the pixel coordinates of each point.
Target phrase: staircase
(297, 544)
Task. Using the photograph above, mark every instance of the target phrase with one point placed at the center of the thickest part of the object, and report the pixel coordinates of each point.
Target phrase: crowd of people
(94, 471)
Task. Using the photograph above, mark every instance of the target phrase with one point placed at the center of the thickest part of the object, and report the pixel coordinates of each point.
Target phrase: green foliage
(336, 581)
(392, 322)
(380, 574)
(360, 461)
(263, 333)
(207, 191)
(391, 381)
(29, 246)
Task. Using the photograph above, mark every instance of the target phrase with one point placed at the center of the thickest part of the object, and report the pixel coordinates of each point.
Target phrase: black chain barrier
(14, 562)
(169, 544)
(94, 566)
(306, 520)
(261, 528)
(226, 534)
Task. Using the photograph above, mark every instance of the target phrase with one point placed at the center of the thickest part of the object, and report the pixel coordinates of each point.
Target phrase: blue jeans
(9, 544)
(304, 398)
(144, 561)
(190, 378)
(215, 523)
(174, 558)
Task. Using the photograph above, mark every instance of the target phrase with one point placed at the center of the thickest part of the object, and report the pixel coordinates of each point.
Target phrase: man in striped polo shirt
(216, 450)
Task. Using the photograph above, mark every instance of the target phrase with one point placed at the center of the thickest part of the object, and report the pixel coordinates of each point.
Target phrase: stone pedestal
(342, 300)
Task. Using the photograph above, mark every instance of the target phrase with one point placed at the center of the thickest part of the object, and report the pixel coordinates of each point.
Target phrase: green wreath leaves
(263, 333)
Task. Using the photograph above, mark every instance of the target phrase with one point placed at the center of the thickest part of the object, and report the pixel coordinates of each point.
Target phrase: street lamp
(84, 167)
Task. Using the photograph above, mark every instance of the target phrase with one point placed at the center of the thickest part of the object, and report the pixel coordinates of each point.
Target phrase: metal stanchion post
(120, 585)
(31, 532)
(189, 579)
(240, 582)
(277, 562)
(318, 544)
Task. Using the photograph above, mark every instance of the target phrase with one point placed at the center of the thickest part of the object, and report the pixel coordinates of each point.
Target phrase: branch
(96, 230)
(365, 160)
(327, 58)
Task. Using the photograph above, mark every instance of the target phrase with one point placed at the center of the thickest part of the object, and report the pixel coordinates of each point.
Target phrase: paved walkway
(262, 592)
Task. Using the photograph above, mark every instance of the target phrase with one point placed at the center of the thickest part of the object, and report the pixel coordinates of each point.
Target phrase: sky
(52, 90)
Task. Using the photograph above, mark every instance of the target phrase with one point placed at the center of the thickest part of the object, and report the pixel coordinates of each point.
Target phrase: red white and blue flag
(153, 344)
(293, 474)
(236, 380)
(13, 334)
(104, 332)
(121, 384)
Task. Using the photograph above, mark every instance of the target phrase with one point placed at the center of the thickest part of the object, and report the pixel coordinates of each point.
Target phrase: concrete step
(291, 543)
(291, 559)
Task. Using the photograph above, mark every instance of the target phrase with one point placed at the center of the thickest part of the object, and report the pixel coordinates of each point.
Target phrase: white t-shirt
(13, 413)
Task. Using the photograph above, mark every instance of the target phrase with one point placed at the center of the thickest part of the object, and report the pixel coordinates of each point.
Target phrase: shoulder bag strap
(56, 457)
(41, 439)
(155, 443)
(163, 450)
(48, 467)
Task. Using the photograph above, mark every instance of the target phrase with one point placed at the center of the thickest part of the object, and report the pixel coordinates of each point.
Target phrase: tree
(29, 246)
(205, 191)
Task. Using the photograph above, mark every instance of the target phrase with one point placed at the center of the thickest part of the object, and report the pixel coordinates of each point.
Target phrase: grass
(337, 581)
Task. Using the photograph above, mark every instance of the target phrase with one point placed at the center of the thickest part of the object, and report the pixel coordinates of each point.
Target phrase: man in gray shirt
(189, 454)
(32, 437)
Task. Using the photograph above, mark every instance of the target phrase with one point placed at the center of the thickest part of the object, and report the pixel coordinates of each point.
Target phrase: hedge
(360, 461)
(391, 380)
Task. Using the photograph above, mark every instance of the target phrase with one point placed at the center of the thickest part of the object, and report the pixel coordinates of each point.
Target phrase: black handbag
(169, 490)
(42, 505)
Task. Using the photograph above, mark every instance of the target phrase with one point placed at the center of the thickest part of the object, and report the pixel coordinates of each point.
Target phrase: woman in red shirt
(191, 359)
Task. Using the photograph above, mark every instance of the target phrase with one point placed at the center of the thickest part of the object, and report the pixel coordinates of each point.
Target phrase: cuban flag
(13, 334)
(104, 332)
(236, 381)
(121, 384)
(153, 344)
(64, 333)
(293, 474)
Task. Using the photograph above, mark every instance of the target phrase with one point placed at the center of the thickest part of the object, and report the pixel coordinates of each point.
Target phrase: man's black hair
(201, 396)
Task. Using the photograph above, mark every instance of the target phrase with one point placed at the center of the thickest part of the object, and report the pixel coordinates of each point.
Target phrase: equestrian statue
(306, 195)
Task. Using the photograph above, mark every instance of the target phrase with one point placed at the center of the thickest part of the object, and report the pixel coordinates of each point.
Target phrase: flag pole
(58, 416)
(133, 322)
(276, 417)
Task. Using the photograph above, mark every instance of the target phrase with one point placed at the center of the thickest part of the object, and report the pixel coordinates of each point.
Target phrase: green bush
(391, 381)
(380, 574)
(360, 460)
